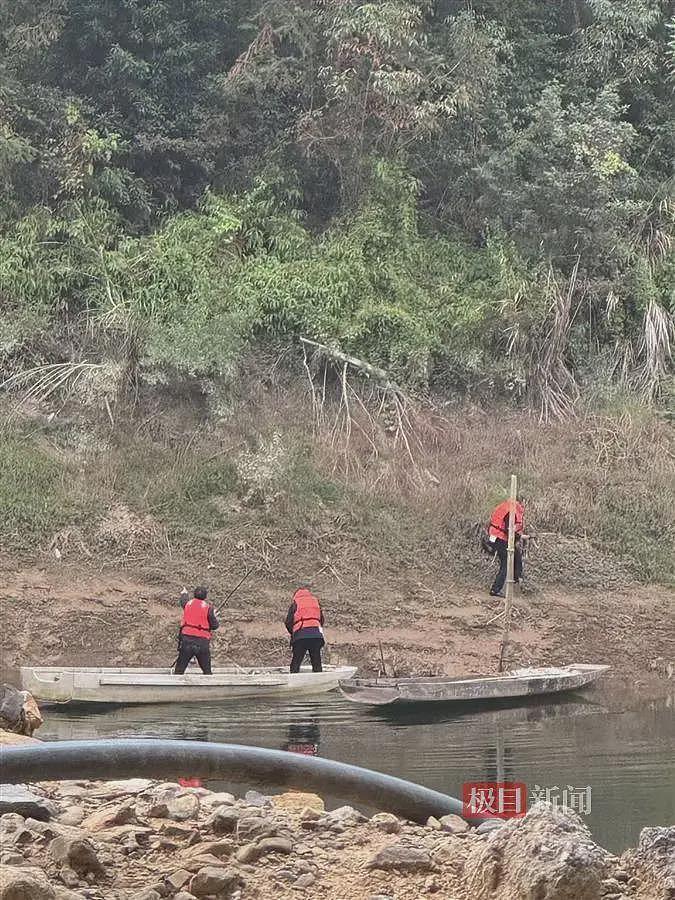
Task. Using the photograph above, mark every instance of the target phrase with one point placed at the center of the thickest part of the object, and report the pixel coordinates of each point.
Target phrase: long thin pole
(510, 560)
(233, 591)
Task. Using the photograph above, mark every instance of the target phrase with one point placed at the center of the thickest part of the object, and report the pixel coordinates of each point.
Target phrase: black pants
(307, 645)
(502, 551)
(194, 647)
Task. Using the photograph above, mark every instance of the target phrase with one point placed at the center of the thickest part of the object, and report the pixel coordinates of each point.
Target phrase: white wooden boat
(519, 683)
(64, 684)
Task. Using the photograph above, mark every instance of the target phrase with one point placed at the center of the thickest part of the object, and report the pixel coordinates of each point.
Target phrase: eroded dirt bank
(82, 615)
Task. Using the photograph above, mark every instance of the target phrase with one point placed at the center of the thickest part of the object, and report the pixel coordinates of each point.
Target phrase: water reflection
(304, 738)
(625, 756)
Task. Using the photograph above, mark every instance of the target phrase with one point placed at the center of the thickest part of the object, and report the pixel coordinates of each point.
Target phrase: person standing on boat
(498, 538)
(304, 623)
(198, 623)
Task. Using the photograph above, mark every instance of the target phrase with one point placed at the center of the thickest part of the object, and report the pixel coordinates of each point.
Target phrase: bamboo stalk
(510, 560)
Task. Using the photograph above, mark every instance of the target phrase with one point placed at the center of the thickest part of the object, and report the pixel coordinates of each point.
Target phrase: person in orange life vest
(304, 623)
(199, 621)
(498, 537)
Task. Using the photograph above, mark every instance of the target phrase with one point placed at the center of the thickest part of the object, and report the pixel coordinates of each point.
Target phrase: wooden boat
(64, 684)
(520, 683)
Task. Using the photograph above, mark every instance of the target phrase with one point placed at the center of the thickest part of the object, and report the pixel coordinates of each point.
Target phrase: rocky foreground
(148, 840)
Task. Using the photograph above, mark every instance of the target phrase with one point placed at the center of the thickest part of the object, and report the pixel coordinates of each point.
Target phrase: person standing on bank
(498, 537)
(198, 623)
(304, 623)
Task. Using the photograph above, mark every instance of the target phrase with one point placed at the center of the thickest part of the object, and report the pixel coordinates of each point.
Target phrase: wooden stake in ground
(510, 560)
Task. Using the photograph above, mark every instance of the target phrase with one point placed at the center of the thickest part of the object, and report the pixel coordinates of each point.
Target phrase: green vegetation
(476, 198)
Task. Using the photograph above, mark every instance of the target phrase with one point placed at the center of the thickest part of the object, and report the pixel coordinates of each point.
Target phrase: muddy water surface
(625, 757)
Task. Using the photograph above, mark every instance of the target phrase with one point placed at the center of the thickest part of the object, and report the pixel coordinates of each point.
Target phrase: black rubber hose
(114, 759)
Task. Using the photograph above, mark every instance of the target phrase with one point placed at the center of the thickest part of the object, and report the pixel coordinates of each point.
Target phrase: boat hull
(522, 683)
(141, 686)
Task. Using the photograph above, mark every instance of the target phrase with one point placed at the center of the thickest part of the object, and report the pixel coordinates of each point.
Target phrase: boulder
(24, 883)
(16, 798)
(211, 881)
(402, 858)
(548, 854)
(653, 862)
(78, 854)
(19, 712)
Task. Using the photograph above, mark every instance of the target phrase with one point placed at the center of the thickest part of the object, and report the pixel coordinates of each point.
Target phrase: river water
(625, 757)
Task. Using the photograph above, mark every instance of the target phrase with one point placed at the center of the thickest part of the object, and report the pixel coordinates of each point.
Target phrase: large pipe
(74, 760)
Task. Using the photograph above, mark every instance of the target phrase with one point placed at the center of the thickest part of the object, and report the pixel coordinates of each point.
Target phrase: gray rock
(72, 816)
(111, 790)
(380, 897)
(547, 853)
(11, 859)
(14, 831)
(252, 852)
(183, 895)
(304, 881)
(490, 825)
(66, 894)
(24, 883)
(78, 854)
(69, 877)
(346, 815)
(148, 894)
(386, 822)
(255, 826)
(254, 798)
(402, 858)
(211, 881)
(212, 801)
(224, 821)
(178, 879)
(111, 814)
(454, 824)
(180, 809)
(16, 798)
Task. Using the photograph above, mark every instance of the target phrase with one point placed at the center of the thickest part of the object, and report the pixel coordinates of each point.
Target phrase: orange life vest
(195, 622)
(499, 520)
(307, 610)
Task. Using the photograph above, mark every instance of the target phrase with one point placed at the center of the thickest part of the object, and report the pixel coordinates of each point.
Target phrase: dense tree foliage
(466, 192)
